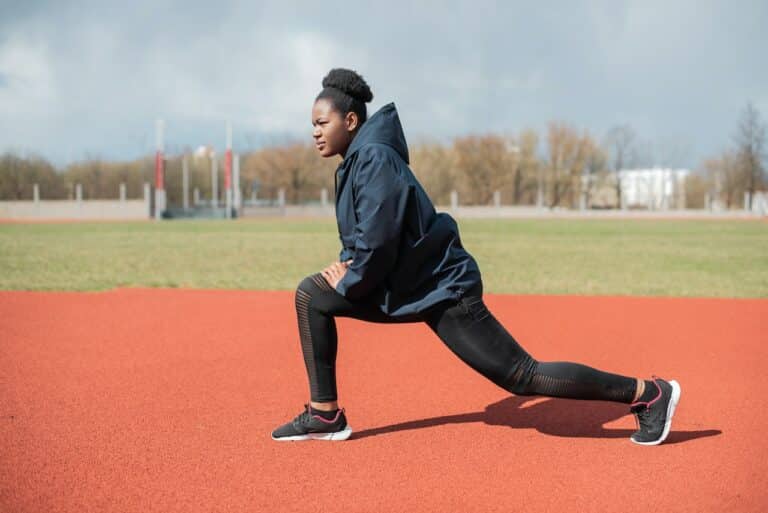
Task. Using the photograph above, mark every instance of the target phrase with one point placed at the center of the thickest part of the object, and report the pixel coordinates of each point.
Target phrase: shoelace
(643, 417)
(304, 417)
(642, 411)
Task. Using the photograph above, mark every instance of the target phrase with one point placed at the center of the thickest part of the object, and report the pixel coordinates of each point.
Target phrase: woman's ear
(351, 121)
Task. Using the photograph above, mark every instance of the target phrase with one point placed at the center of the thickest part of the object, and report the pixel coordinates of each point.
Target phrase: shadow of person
(552, 416)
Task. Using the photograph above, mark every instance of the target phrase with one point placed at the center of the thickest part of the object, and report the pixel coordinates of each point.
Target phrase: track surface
(160, 400)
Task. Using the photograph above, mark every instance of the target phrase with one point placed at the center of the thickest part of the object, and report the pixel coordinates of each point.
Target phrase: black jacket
(406, 257)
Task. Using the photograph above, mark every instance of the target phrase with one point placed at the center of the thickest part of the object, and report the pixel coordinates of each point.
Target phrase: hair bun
(350, 82)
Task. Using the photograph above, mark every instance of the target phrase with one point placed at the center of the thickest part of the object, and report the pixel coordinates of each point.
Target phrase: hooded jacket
(405, 256)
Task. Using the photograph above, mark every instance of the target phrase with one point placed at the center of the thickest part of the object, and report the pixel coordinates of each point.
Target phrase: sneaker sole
(336, 436)
(670, 413)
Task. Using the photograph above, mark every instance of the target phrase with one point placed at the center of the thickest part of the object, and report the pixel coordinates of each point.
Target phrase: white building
(204, 152)
(655, 189)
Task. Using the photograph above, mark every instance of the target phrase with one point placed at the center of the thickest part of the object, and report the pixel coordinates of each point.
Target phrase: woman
(403, 262)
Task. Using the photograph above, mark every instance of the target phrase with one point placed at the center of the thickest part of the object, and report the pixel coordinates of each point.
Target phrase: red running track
(162, 400)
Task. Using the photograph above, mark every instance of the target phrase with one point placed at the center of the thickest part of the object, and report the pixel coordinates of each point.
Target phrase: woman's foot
(654, 417)
(307, 426)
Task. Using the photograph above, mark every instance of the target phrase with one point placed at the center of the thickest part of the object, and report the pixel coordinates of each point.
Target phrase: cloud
(88, 76)
(26, 76)
(264, 81)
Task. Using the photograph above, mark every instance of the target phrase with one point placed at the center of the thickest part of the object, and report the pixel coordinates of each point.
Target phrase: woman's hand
(335, 272)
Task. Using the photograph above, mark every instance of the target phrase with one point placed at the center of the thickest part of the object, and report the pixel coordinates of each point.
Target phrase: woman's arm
(380, 203)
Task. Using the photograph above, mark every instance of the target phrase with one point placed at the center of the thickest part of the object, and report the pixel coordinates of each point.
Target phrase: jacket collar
(382, 127)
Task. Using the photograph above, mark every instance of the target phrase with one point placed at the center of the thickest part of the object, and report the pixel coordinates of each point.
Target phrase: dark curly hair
(347, 91)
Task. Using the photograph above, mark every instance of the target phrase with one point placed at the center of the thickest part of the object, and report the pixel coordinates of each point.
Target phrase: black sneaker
(313, 427)
(654, 418)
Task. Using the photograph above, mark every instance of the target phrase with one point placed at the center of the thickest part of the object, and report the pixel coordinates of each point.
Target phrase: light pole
(159, 169)
(539, 188)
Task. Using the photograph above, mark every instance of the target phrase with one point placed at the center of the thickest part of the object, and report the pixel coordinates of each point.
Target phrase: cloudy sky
(80, 79)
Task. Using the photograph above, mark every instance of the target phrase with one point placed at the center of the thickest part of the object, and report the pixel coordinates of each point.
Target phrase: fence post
(159, 203)
(148, 199)
(281, 197)
(36, 193)
(185, 182)
(324, 197)
(680, 181)
(236, 181)
(454, 200)
(122, 192)
(214, 182)
(497, 199)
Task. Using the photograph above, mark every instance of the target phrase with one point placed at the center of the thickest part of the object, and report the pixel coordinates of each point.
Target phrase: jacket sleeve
(345, 254)
(380, 205)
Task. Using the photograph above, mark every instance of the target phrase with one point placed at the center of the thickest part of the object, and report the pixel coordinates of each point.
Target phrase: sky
(89, 79)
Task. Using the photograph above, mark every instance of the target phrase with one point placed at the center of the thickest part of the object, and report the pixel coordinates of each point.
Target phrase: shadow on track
(551, 416)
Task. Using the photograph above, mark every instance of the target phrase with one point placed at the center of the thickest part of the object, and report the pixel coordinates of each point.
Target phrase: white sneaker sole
(332, 437)
(670, 412)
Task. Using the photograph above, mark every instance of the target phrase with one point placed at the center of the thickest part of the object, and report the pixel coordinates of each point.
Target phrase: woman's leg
(317, 304)
(475, 336)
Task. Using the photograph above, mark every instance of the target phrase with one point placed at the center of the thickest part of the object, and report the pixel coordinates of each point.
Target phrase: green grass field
(604, 257)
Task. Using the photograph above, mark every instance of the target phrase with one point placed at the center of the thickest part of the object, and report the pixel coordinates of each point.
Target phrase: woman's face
(332, 132)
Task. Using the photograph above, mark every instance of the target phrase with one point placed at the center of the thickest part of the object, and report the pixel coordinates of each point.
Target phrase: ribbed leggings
(467, 328)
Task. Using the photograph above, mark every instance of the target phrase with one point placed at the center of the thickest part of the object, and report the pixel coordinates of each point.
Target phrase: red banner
(159, 170)
(228, 170)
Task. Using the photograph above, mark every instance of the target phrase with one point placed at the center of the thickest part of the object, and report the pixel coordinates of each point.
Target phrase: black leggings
(467, 328)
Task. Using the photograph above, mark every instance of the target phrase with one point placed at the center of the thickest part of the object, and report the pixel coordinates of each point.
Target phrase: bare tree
(750, 145)
(671, 151)
(620, 146)
(696, 188)
(530, 168)
(595, 166)
(567, 152)
(725, 181)
(481, 166)
(433, 164)
(19, 174)
(297, 167)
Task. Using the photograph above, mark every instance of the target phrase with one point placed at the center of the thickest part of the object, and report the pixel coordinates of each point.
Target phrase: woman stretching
(403, 262)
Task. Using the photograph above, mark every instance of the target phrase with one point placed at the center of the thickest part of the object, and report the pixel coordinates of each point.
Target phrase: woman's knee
(312, 294)
(307, 286)
(519, 380)
(313, 284)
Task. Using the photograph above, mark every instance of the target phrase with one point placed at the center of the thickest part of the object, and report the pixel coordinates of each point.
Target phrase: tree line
(740, 168)
(559, 168)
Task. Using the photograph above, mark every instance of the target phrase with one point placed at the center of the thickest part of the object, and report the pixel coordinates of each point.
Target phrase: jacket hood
(382, 127)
